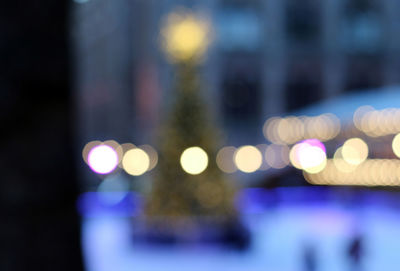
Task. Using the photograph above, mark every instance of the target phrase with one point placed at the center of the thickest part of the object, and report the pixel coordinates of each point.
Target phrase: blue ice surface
(279, 235)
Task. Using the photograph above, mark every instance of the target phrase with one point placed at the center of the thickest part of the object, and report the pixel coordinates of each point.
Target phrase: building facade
(268, 57)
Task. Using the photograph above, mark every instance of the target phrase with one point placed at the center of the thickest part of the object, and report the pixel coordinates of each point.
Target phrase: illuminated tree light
(194, 160)
(185, 36)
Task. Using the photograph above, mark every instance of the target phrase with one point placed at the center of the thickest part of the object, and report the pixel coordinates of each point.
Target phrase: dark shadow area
(40, 228)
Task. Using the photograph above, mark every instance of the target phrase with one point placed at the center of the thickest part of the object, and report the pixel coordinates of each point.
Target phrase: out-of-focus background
(192, 135)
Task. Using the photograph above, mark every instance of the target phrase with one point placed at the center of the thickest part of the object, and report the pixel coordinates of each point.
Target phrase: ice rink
(280, 236)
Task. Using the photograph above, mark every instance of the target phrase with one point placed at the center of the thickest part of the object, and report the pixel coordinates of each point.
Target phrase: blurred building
(268, 57)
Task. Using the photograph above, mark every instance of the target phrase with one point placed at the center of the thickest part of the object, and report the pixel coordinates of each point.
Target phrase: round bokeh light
(248, 159)
(310, 156)
(136, 162)
(194, 160)
(102, 159)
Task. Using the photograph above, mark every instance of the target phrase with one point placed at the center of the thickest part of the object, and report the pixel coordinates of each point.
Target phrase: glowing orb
(185, 36)
(136, 162)
(396, 145)
(194, 160)
(355, 151)
(102, 159)
(311, 156)
(248, 159)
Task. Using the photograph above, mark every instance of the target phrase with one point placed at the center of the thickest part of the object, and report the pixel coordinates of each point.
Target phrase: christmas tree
(178, 193)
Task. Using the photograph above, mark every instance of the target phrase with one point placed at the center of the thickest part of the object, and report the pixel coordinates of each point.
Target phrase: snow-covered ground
(279, 236)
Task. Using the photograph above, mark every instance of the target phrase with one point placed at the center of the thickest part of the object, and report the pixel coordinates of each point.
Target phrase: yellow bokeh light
(355, 151)
(225, 159)
(396, 145)
(136, 162)
(185, 36)
(194, 160)
(248, 159)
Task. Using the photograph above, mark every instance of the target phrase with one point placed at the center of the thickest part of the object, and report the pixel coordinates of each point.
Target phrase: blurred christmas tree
(192, 185)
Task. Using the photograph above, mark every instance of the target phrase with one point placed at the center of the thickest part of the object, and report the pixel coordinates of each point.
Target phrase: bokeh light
(122, 149)
(376, 123)
(262, 148)
(194, 160)
(372, 172)
(359, 114)
(185, 36)
(102, 159)
(396, 145)
(277, 156)
(248, 159)
(225, 160)
(136, 162)
(294, 156)
(153, 155)
(311, 156)
(116, 146)
(355, 151)
(292, 129)
(88, 147)
(341, 164)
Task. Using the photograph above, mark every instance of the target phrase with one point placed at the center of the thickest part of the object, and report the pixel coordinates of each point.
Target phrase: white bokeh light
(311, 158)
(102, 159)
(194, 160)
